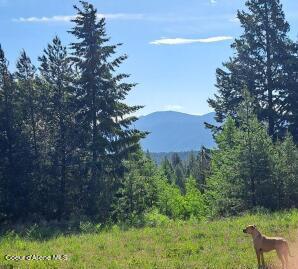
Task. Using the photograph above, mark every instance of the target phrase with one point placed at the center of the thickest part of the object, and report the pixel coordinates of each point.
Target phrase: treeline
(247, 171)
(257, 100)
(159, 157)
(64, 127)
(67, 149)
(255, 163)
(151, 194)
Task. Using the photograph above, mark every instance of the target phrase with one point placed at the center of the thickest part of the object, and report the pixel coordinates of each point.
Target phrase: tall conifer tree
(57, 78)
(103, 116)
(25, 76)
(15, 153)
(290, 102)
(260, 62)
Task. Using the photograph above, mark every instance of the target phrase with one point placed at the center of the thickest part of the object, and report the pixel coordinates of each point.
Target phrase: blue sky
(174, 46)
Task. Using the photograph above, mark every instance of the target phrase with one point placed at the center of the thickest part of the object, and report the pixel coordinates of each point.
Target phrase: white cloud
(124, 16)
(213, 2)
(45, 19)
(67, 18)
(234, 19)
(173, 107)
(179, 41)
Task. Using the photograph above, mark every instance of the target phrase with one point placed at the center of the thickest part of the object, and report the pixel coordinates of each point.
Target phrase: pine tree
(103, 116)
(192, 167)
(167, 170)
(286, 173)
(290, 102)
(260, 62)
(30, 112)
(203, 160)
(25, 76)
(242, 168)
(255, 158)
(178, 169)
(57, 78)
(137, 193)
(224, 184)
(15, 154)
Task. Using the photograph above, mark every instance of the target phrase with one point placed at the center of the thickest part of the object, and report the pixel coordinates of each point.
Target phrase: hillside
(175, 131)
(172, 245)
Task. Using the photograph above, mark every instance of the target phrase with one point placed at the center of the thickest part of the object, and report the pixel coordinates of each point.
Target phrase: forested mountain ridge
(172, 131)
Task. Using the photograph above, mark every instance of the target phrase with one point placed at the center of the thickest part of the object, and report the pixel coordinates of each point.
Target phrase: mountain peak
(175, 131)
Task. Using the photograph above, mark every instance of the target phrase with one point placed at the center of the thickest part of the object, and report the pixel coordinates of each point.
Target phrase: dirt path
(293, 261)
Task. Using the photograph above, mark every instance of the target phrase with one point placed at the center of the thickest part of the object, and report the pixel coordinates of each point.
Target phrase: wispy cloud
(159, 18)
(181, 41)
(173, 107)
(45, 19)
(234, 19)
(213, 2)
(68, 18)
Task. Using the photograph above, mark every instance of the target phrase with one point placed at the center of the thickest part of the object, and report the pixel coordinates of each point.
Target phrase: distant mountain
(175, 131)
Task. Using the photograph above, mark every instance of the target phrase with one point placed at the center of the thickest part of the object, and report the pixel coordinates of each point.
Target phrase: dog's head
(250, 229)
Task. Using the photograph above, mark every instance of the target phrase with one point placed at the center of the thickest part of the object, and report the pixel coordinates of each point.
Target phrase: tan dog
(263, 244)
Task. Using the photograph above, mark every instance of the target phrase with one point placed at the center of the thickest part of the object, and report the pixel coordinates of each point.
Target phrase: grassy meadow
(206, 244)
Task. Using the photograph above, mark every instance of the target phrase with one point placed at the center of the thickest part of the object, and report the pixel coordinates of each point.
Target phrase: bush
(177, 206)
(194, 204)
(154, 218)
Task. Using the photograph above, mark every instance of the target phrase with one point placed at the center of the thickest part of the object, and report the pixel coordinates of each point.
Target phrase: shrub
(154, 218)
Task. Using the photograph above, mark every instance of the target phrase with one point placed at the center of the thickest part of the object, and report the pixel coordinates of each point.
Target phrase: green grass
(214, 244)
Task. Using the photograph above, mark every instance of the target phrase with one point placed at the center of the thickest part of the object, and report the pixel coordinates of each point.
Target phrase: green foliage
(58, 95)
(198, 166)
(223, 183)
(103, 117)
(248, 170)
(265, 61)
(137, 193)
(147, 193)
(168, 170)
(194, 201)
(65, 129)
(178, 171)
(286, 172)
(170, 199)
(171, 202)
(16, 157)
(154, 219)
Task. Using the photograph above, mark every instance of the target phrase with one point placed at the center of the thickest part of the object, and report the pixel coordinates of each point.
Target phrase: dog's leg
(262, 257)
(280, 256)
(258, 258)
(286, 260)
(286, 254)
